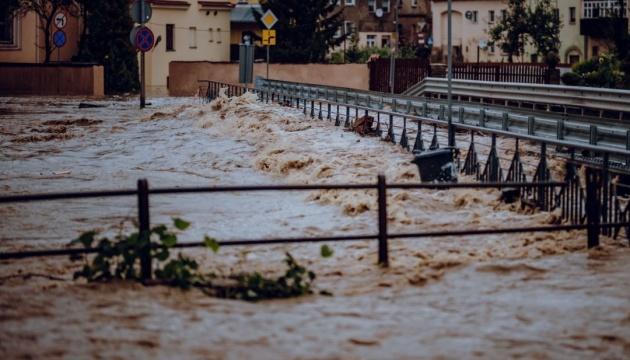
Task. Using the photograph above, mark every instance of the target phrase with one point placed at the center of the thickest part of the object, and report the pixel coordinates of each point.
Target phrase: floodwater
(501, 296)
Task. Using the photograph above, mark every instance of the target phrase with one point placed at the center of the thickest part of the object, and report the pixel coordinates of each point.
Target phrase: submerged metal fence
(143, 192)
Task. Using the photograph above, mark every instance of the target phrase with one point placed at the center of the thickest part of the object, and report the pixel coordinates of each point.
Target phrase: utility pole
(449, 69)
(394, 48)
(142, 76)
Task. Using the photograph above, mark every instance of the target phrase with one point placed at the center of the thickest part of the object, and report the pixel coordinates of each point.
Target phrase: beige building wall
(201, 33)
(467, 32)
(28, 46)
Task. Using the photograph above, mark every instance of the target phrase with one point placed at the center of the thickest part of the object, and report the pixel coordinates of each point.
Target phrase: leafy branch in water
(119, 258)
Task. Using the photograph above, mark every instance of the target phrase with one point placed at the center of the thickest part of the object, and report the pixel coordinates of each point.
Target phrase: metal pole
(142, 75)
(392, 56)
(592, 207)
(268, 69)
(451, 129)
(144, 229)
(383, 258)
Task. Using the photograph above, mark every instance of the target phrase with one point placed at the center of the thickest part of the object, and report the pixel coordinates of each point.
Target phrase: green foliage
(306, 29)
(105, 40)
(511, 32)
(120, 259)
(544, 30)
(296, 281)
(538, 25)
(603, 71)
(211, 243)
(326, 251)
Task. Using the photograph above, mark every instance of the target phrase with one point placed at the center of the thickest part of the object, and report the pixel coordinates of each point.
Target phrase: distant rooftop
(243, 13)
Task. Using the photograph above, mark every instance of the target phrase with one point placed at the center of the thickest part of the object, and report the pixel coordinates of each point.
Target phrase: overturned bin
(436, 165)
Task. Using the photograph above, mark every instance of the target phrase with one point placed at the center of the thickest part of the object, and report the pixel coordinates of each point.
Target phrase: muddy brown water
(528, 295)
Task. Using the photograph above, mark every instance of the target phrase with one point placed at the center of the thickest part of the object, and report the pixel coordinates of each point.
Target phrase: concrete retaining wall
(183, 75)
(52, 79)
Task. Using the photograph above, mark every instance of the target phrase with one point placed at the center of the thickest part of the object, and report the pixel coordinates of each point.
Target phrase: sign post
(59, 37)
(143, 39)
(269, 19)
(142, 74)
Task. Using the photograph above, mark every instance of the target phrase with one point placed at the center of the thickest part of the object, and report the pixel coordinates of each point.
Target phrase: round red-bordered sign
(144, 39)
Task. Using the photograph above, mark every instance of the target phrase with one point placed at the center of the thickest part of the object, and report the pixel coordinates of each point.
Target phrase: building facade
(188, 31)
(374, 21)
(472, 19)
(22, 39)
(600, 19)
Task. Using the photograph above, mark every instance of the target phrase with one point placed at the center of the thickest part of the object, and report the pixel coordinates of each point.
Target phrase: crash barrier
(571, 100)
(562, 199)
(551, 121)
(612, 192)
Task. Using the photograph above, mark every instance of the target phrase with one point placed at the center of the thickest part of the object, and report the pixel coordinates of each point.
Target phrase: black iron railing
(143, 192)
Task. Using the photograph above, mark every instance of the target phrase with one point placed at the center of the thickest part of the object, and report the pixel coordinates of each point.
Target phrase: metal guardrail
(546, 128)
(543, 97)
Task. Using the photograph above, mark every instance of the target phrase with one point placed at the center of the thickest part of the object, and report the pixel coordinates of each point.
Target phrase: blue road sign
(144, 39)
(59, 38)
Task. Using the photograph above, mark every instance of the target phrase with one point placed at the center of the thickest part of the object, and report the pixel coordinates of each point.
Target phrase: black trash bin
(436, 166)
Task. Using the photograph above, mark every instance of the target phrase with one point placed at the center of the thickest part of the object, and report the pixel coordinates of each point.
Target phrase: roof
(244, 13)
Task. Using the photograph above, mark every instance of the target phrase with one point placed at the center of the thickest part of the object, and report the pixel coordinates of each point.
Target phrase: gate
(408, 72)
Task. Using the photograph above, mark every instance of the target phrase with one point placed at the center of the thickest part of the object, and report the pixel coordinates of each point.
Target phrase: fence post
(144, 229)
(592, 207)
(383, 258)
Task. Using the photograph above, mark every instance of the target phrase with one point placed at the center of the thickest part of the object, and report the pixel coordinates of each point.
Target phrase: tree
(544, 29)
(105, 40)
(45, 10)
(306, 29)
(511, 31)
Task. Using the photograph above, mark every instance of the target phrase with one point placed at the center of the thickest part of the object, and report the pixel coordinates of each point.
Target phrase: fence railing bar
(66, 196)
(502, 231)
(296, 187)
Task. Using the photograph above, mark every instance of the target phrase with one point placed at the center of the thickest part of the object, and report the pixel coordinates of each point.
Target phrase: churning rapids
(500, 296)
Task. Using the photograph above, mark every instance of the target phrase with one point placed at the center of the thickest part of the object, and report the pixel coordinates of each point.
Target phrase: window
(556, 13)
(572, 15)
(414, 3)
(385, 39)
(371, 41)
(491, 16)
(371, 5)
(8, 31)
(503, 14)
(348, 27)
(574, 59)
(170, 37)
(533, 58)
(595, 51)
(219, 35)
(211, 32)
(192, 41)
(474, 16)
(491, 48)
(349, 2)
(385, 5)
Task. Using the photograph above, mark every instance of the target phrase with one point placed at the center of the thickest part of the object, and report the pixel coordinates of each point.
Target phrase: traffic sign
(61, 20)
(135, 10)
(483, 43)
(59, 38)
(144, 39)
(269, 37)
(269, 19)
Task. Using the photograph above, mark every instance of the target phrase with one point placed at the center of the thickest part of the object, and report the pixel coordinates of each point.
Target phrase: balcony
(602, 18)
